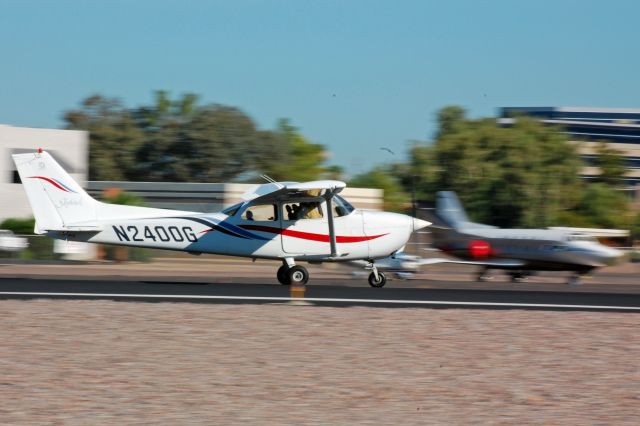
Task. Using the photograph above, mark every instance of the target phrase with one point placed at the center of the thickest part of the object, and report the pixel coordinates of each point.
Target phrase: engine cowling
(479, 249)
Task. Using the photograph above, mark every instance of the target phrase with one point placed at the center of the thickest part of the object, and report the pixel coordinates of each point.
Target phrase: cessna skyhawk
(286, 221)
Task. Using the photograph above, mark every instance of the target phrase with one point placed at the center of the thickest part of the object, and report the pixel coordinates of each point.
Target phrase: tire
(298, 275)
(574, 281)
(283, 276)
(382, 280)
(518, 277)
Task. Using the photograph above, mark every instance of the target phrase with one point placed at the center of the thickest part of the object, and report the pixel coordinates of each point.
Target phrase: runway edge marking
(319, 299)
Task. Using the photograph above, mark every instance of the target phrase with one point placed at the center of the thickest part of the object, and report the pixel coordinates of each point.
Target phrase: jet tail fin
(57, 201)
(450, 210)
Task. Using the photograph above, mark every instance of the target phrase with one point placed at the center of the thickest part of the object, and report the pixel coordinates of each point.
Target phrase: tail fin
(450, 210)
(57, 201)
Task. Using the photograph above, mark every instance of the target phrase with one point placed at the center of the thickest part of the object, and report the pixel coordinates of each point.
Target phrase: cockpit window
(261, 213)
(341, 207)
(302, 210)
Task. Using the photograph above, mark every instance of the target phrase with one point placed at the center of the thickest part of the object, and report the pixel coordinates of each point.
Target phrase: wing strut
(332, 231)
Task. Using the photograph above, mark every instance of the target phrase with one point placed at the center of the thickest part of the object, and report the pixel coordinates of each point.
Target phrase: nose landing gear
(377, 279)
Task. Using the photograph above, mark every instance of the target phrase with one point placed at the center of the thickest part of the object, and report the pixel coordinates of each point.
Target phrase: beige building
(619, 128)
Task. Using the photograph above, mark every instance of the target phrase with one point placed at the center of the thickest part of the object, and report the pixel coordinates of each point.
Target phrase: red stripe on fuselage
(52, 182)
(309, 235)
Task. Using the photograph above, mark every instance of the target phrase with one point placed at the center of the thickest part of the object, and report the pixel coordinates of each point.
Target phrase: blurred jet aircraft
(519, 251)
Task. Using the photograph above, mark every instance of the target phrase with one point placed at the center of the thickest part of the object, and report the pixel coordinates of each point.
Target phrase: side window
(261, 212)
(302, 210)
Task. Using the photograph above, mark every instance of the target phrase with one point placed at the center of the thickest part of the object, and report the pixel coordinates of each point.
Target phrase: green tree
(296, 159)
(18, 225)
(521, 175)
(114, 137)
(604, 207)
(395, 198)
(179, 140)
(611, 164)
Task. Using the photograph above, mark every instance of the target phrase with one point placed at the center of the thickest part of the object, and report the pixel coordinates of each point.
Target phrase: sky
(353, 75)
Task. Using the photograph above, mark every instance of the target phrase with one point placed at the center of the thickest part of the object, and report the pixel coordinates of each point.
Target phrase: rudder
(57, 200)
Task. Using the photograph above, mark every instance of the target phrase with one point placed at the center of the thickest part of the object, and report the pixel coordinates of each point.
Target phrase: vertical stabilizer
(450, 210)
(56, 199)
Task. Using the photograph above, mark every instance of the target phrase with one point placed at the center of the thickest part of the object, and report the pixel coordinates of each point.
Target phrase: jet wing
(291, 191)
(490, 263)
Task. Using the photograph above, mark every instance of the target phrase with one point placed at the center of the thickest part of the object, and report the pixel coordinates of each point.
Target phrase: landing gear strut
(377, 279)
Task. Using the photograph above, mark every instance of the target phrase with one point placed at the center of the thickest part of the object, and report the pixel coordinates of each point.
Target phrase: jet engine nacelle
(479, 249)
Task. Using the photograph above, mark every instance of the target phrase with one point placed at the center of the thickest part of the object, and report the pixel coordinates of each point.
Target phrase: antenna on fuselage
(268, 179)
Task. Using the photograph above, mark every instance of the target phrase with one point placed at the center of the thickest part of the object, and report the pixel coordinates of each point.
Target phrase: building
(69, 147)
(619, 128)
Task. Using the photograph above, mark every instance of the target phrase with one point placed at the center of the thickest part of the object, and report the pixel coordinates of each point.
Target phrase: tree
(604, 207)
(395, 199)
(295, 159)
(611, 163)
(114, 137)
(522, 175)
(181, 141)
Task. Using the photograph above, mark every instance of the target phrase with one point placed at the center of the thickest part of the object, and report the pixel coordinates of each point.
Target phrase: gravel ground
(102, 362)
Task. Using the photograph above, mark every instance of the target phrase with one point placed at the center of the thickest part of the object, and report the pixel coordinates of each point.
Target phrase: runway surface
(327, 292)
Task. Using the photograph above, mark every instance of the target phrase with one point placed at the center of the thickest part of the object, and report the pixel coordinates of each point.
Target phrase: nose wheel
(376, 278)
(378, 281)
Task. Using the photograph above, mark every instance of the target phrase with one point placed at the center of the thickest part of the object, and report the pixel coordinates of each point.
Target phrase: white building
(69, 147)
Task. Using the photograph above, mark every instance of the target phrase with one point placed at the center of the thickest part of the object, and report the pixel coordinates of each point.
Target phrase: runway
(324, 292)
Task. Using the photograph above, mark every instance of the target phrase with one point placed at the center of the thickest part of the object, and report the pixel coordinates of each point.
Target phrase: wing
(489, 263)
(291, 191)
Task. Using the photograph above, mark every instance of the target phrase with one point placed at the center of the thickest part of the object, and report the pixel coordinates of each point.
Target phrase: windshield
(232, 210)
(341, 207)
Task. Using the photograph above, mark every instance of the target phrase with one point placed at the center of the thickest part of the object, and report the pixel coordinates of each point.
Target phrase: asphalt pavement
(322, 292)
(233, 280)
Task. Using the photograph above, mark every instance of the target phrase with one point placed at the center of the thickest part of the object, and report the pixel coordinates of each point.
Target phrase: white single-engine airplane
(287, 221)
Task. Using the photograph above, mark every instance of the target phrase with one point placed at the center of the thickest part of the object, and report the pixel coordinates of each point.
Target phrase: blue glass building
(618, 127)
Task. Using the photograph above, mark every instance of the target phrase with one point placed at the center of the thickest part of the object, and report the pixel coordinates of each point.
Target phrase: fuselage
(261, 231)
(539, 249)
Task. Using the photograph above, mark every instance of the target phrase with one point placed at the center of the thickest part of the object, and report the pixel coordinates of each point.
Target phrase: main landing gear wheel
(298, 275)
(283, 276)
(518, 277)
(574, 280)
(484, 275)
(380, 282)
